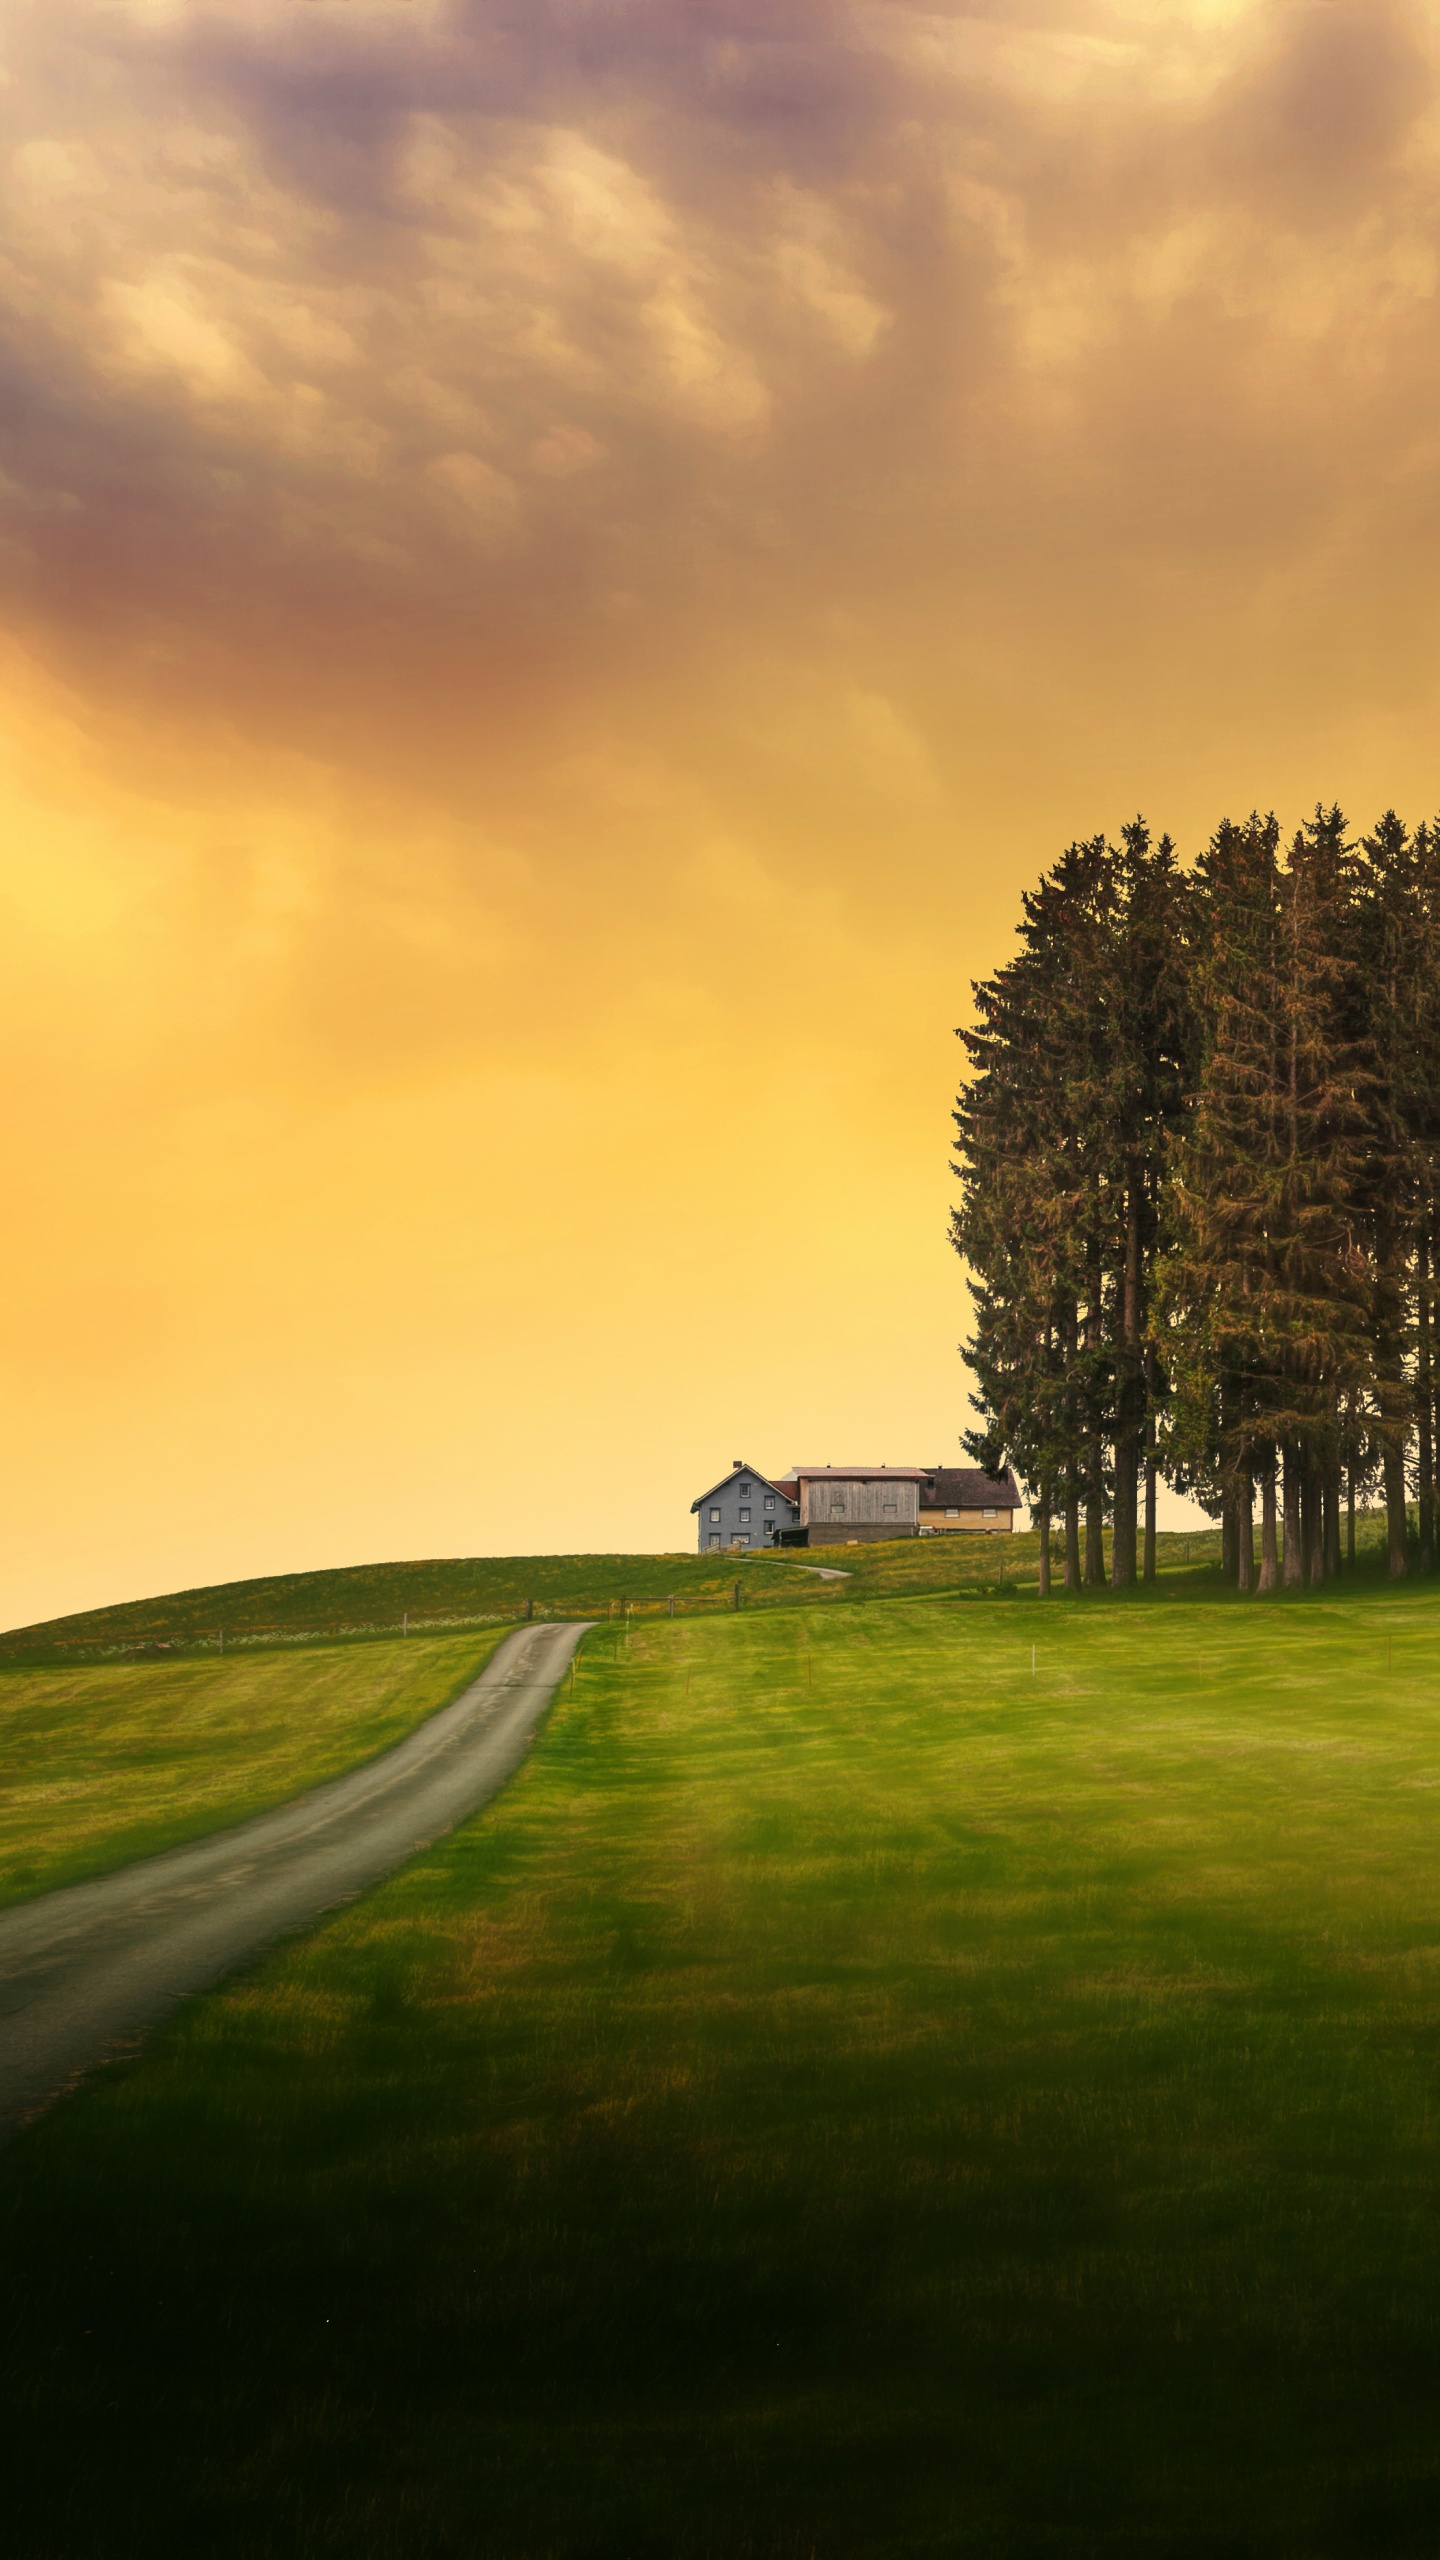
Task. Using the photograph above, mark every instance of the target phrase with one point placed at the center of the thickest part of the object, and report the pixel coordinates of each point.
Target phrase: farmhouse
(745, 1510)
(851, 1506)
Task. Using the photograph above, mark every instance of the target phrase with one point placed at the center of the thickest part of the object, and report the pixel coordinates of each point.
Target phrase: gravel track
(89, 1968)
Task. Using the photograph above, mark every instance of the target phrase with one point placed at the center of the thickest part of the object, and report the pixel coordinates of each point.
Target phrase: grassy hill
(104, 1762)
(367, 1600)
(866, 2088)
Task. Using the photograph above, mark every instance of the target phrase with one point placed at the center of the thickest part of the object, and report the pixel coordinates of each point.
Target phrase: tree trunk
(1043, 1518)
(1150, 1508)
(1095, 1520)
(1394, 1398)
(1332, 1524)
(1396, 1512)
(1312, 1526)
(1122, 1536)
(1294, 1572)
(1229, 1535)
(1425, 1406)
(1350, 1515)
(1245, 1533)
(1094, 1447)
(1129, 1403)
(1269, 1549)
(1072, 1531)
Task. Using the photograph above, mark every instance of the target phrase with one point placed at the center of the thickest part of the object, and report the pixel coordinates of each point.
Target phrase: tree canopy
(1199, 1163)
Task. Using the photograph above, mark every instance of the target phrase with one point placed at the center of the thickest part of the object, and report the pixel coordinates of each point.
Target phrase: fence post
(737, 1595)
(672, 1604)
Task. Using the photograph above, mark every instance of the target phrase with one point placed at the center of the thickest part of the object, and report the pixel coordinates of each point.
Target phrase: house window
(744, 1493)
(952, 1515)
(745, 1516)
(992, 1514)
(742, 1542)
(769, 1501)
(837, 1506)
(715, 1539)
(888, 1508)
(715, 1514)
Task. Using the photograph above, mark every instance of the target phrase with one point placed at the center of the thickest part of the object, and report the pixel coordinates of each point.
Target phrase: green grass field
(365, 1600)
(854, 2093)
(113, 1761)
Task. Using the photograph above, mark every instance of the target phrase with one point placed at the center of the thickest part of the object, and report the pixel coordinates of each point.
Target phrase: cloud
(551, 552)
(361, 363)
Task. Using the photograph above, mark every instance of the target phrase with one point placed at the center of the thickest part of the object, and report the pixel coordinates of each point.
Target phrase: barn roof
(970, 1489)
(864, 1475)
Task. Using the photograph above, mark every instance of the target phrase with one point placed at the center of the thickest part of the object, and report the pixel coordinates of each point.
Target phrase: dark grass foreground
(852, 2095)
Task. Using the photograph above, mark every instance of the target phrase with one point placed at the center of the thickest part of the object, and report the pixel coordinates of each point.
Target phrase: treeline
(1199, 1151)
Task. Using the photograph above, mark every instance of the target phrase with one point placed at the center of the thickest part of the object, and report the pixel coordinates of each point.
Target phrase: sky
(562, 563)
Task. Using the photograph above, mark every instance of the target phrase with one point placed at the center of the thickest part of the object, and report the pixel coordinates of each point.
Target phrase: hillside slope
(449, 1590)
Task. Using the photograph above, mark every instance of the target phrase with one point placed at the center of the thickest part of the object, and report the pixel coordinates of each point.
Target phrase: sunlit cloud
(560, 566)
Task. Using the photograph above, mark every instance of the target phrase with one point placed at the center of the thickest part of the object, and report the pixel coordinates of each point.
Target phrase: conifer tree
(1265, 1301)
(1200, 1165)
(1075, 1077)
(1022, 1221)
(1399, 981)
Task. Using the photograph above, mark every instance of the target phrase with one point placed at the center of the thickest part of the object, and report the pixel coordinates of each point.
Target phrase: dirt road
(89, 1967)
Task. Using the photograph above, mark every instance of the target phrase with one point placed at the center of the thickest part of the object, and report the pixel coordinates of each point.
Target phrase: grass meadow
(375, 1601)
(112, 1761)
(861, 2089)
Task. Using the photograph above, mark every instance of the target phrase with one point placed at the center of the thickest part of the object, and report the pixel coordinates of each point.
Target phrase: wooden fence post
(737, 1595)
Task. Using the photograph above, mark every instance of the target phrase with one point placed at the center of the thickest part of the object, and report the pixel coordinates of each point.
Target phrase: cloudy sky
(561, 563)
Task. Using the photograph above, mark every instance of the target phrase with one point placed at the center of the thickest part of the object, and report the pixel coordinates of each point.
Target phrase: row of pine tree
(1199, 1155)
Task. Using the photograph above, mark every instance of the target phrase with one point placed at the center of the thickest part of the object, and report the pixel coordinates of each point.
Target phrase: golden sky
(561, 563)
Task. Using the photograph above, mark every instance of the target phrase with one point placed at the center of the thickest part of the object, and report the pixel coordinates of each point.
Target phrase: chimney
(737, 1463)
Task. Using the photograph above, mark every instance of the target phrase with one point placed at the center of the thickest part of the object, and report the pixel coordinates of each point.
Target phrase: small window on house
(953, 1513)
(715, 1514)
(992, 1513)
(742, 1542)
(745, 1516)
(837, 1506)
(715, 1538)
(744, 1493)
(888, 1503)
(769, 1501)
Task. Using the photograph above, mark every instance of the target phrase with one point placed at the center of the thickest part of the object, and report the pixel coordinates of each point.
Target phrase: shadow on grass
(852, 2095)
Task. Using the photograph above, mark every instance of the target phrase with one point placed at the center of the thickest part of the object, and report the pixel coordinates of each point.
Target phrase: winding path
(95, 1963)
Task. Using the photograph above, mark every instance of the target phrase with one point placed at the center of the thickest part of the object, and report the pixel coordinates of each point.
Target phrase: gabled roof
(970, 1489)
(860, 1475)
(729, 1478)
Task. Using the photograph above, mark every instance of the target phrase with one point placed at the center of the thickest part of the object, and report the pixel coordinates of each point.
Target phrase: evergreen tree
(1399, 942)
(1021, 1224)
(1076, 1075)
(1199, 1152)
(1266, 1297)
